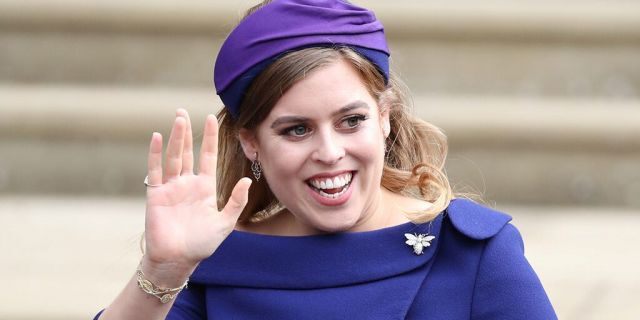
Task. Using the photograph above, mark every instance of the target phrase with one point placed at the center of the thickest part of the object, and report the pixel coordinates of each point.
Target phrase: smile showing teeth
(331, 191)
(337, 182)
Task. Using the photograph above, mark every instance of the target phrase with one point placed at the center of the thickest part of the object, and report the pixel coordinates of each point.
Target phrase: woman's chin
(333, 226)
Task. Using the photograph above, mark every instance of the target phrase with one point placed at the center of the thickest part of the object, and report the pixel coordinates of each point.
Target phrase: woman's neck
(389, 211)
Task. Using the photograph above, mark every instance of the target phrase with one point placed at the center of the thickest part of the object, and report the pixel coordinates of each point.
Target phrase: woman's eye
(353, 121)
(296, 131)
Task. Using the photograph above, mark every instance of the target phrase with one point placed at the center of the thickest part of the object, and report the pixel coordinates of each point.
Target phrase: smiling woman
(354, 207)
(415, 150)
(327, 129)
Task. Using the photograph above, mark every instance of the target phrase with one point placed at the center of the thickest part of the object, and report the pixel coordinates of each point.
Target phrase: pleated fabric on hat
(286, 25)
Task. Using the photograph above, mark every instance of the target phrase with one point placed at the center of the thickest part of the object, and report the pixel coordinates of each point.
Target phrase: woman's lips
(332, 196)
(331, 183)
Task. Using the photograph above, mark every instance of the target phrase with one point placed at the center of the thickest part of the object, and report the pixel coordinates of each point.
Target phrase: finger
(173, 163)
(209, 148)
(154, 159)
(187, 150)
(238, 199)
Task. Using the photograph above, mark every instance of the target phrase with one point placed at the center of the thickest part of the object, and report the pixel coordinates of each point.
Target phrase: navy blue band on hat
(285, 25)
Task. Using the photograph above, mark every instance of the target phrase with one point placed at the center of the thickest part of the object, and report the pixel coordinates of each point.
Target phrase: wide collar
(319, 261)
(476, 221)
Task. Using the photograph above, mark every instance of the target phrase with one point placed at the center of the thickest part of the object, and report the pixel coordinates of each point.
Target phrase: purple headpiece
(285, 25)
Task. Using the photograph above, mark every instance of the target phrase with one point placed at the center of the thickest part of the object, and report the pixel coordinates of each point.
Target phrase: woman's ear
(384, 121)
(249, 143)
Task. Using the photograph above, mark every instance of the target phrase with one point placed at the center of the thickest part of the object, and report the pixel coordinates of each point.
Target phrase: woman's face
(322, 150)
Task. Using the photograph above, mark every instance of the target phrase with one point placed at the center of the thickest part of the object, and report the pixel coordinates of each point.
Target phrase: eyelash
(359, 117)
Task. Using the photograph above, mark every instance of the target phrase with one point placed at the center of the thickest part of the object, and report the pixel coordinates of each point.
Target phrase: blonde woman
(317, 196)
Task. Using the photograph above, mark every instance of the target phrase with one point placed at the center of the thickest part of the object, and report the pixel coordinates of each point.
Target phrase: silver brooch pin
(418, 241)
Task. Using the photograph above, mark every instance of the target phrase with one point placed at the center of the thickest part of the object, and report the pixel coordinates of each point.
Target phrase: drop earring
(256, 168)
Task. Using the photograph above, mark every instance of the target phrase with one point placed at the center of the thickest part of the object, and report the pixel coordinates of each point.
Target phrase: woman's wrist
(164, 294)
(166, 274)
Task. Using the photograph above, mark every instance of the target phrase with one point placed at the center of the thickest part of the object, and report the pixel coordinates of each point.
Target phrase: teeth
(336, 182)
(329, 184)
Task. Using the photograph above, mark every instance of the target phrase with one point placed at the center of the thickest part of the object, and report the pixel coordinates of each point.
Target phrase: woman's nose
(329, 149)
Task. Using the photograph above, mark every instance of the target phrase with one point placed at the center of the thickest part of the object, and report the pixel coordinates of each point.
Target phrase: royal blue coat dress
(474, 269)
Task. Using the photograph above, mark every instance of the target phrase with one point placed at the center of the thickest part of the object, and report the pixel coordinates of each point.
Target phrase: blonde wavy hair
(416, 150)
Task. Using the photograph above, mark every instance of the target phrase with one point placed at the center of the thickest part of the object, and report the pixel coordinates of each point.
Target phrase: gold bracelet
(164, 294)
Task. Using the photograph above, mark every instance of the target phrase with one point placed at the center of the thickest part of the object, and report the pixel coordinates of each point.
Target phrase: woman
(349, 214)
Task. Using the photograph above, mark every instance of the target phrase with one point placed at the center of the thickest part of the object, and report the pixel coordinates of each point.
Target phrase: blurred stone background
(540, 101)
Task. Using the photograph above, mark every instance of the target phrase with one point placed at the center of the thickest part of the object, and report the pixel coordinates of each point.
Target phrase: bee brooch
(418, 241)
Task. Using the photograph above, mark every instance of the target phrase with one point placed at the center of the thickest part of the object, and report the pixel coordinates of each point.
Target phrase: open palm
(183, 224)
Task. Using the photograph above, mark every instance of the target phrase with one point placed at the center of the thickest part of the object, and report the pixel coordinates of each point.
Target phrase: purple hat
(284, 25)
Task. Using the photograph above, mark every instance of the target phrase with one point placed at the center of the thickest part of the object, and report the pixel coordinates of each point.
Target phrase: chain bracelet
(163, 294)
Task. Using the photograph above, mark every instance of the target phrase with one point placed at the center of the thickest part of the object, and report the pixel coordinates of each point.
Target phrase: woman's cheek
(369, 142)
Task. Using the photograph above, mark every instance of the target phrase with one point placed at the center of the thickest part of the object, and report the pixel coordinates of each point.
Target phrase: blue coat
(474, 269)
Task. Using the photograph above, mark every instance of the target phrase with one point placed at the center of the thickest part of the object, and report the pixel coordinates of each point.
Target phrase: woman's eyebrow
(288, 119)
(351, 106)
(358, 104)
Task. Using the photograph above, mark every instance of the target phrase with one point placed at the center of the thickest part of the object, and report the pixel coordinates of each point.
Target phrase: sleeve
(506, 286)
(98, 315)
(190, 304)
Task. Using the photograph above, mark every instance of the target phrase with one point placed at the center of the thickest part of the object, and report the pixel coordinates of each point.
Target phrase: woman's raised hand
(183, 224)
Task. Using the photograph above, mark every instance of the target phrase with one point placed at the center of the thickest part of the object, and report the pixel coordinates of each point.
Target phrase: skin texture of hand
(183, 224)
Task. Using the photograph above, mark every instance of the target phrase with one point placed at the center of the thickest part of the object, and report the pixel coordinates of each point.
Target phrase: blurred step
(590, 19)
(86, 140)
(93, 140)
(495, 47)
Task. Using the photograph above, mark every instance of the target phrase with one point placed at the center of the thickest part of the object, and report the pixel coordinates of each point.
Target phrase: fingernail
(181, 112)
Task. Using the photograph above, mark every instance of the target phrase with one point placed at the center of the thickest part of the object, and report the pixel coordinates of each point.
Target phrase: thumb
(238, 199)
